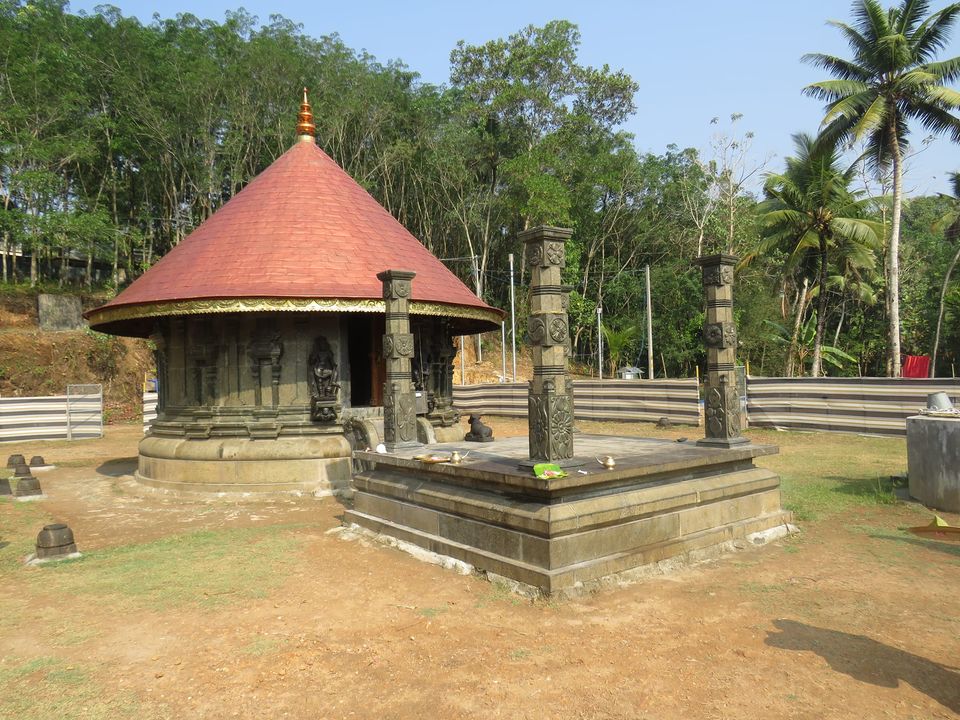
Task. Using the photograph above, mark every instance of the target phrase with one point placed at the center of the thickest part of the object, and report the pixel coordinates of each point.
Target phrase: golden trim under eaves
(108, 314)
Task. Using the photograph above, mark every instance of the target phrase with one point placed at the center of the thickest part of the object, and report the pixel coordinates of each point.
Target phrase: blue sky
(693, 60)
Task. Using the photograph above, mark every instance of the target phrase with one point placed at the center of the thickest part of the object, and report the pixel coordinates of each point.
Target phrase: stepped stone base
(319, 464)
(663, 500)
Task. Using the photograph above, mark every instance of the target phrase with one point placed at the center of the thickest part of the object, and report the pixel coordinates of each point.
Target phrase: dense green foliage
(118, 138)
(894, 78)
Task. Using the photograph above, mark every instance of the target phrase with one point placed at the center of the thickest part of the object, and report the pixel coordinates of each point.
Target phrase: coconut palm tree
(812, 215)
(619, 342)
(892, 79)
(949, 224)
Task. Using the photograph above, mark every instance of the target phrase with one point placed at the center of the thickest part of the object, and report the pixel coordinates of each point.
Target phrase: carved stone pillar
(399, 401)
(721, 407)
(550, 403)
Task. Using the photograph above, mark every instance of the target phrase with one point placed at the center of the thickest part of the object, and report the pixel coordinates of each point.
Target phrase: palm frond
(834, 90)
(910, 13)
(872, 118)
(836, 66)
(947, 97)
(872, 22)
(936, 119)
(934, 32)
(946, 70)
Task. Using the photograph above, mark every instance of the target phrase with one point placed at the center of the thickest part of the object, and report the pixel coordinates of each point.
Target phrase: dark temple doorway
(367, 368)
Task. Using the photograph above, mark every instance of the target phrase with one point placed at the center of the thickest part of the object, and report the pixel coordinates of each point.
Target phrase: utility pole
(599, 343)
(649, 329)
(476, 284)
(503, 350)
(513, 322)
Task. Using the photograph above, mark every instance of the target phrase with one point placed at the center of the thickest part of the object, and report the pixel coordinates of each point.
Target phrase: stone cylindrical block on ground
(55, 540)
(27, 487)
(37, 461)
(15, 460)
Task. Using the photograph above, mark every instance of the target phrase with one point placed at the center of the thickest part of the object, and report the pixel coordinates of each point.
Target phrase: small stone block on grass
(55, 540)
(27, 487)
(15, 460)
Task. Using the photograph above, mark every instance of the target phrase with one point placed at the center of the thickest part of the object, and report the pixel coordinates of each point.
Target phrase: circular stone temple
(268, 322)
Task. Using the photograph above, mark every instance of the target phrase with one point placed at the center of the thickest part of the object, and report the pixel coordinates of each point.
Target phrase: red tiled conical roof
(303, 233)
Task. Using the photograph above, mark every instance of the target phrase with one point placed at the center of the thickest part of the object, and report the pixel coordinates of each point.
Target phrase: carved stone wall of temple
(229, 384)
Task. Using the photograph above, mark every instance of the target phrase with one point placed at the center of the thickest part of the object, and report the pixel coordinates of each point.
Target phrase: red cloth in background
(916, 366)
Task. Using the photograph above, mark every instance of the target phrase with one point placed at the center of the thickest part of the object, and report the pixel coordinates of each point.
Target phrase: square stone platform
(663, 499)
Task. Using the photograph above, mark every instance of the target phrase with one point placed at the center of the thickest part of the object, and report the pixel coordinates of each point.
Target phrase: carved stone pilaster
(399, 400)
(160, 357)
(202, 354)
(550, 403)
(721, 406)
(266, 352)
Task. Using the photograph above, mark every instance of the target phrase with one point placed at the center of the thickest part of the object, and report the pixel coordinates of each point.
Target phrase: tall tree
(950, 224)
(810, 213)
(893, 78)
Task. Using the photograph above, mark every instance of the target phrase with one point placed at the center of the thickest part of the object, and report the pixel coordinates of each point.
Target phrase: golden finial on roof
(306, 130)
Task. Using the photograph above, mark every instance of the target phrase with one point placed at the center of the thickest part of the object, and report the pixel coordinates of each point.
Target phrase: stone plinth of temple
(568, 535)
(565, 535)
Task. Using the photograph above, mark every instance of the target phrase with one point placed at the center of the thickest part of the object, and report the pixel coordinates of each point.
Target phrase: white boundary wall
(78, 415)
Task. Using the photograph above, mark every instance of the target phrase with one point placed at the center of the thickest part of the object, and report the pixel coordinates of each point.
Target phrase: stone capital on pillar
(722, 413)
(550, 400)
(399, 395)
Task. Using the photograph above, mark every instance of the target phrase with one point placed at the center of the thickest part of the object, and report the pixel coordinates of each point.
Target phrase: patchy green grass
(206, 569)
(45, 687)
(264, 646)
(431, 612)
(824, 474)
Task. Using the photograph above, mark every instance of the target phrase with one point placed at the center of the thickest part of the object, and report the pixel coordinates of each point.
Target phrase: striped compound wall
(860, 405)
(78, 415)
(636, 400)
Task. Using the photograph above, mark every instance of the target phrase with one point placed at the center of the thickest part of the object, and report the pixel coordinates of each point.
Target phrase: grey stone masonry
(399, 398)
(550, 404)
(933, 461)
(721, 406)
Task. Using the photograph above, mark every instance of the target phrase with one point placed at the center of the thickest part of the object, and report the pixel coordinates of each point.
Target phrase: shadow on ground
(118, 467)
(938, 545)
(870, 661)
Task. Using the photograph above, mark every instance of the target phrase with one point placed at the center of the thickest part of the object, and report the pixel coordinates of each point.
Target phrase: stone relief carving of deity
(324, 381)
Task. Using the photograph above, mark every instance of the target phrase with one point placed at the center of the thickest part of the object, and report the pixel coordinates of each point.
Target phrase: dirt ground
(188, 609)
